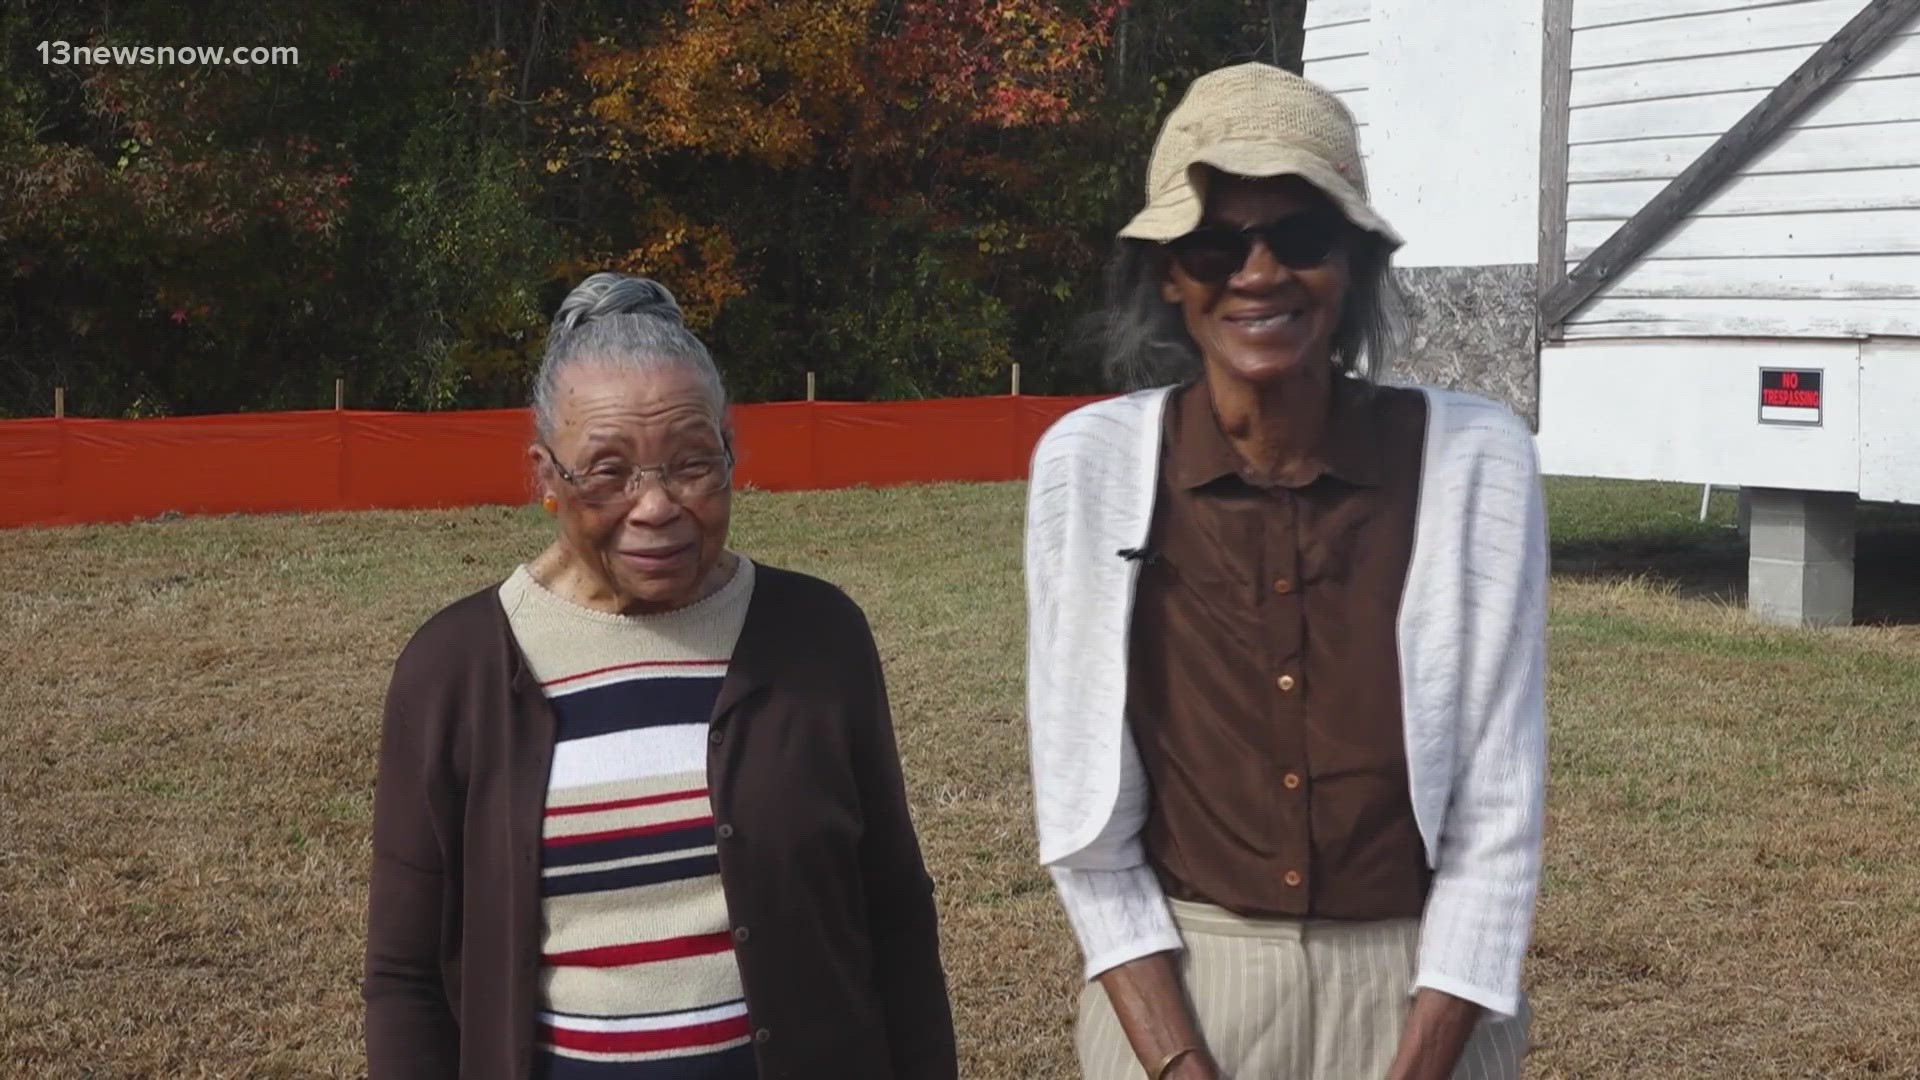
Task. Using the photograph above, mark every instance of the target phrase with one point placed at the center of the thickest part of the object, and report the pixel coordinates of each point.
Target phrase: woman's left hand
(1438, 1027)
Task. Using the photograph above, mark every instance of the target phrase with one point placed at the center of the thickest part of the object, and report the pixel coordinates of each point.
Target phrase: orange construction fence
(68, 471)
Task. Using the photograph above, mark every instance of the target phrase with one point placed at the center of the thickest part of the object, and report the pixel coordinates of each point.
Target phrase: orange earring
(551, 502)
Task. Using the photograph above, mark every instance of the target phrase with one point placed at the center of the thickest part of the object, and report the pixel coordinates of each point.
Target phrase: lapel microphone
(1144, 556)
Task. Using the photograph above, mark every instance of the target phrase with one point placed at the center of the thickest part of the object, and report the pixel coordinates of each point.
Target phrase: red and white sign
(1790, 397)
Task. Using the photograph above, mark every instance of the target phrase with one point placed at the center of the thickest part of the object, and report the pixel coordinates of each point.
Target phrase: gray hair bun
(632, 323)
(616, 294)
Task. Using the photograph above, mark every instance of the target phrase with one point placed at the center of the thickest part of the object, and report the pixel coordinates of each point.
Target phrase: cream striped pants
(1296, 1000)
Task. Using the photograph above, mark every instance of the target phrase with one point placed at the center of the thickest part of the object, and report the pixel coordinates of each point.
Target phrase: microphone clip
(1144, 556)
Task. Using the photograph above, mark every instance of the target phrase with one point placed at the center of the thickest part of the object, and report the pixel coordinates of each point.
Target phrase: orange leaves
(757, 80)
(906, 103)
(778, 82)
(698, 261)
(1002, 63)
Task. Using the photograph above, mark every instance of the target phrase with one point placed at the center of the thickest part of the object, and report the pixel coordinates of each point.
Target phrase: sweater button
(762, 1035)
(740, 934)
(725, 832)
(714, 737)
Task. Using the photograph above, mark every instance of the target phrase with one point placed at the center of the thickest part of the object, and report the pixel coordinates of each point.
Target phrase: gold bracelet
(1160, 1071)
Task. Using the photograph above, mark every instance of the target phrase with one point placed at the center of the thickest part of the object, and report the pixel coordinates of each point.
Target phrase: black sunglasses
(1213, 254)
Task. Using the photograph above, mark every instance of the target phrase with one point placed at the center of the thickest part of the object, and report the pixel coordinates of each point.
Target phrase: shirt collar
(1199, 452)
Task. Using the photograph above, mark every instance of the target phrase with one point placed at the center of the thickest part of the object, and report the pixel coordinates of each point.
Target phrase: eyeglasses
(1214, 254)
(685, 479)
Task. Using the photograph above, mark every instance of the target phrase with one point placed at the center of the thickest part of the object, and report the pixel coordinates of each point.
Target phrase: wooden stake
(1016, 380)
(339, 394)
(809, 386)
(59, 403)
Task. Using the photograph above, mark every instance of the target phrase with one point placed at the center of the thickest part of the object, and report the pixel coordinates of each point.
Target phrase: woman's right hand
(1150, 1001)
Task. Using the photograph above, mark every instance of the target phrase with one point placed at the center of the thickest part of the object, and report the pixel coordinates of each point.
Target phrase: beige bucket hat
(1253, 120)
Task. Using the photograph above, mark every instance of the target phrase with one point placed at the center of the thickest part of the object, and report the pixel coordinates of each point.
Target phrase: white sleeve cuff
(1498, 1004)
(1117, 915)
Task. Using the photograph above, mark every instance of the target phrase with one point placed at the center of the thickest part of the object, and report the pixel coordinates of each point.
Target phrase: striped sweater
(639, 980)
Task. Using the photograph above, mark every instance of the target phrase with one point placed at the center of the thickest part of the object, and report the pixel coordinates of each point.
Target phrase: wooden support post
(59, 403)
(339, 394)
(809, 386)
(1016, 380)
(1556, 84)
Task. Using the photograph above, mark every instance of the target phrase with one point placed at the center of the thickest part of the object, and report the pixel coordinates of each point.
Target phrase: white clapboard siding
(1356, 103)
(1869, 147)
(1819, 235)
(1341, 39)
(1763, 69)
(1336, 12)
(1876, 101)
(1342, 74)
(1746, 318)
(1808, 22)
(1863, 277)
(1591, 13)
(1878, 232)
(1338, 51)
(1853, 189)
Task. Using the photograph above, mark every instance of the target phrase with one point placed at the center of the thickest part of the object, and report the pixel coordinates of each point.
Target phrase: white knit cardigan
(1471, 637)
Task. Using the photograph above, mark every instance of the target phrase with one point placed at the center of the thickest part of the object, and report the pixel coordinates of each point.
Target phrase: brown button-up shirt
(1263, 683)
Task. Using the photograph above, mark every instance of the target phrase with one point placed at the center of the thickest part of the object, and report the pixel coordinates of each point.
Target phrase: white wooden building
(1720, 203)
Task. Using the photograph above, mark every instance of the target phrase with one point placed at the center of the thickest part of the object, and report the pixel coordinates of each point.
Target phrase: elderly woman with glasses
(1286, 641)
(639, 813)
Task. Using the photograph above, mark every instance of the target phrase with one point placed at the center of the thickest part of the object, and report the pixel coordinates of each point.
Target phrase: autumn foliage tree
(129, 190)
(903, 196)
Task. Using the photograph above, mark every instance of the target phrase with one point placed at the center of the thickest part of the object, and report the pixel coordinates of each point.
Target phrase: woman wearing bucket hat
(1286, 641)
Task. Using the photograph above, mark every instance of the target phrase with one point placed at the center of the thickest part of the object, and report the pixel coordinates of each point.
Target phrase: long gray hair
(1144, 342)
(631, 323)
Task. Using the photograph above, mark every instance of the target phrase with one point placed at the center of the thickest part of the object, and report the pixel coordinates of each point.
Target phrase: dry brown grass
(190, 708)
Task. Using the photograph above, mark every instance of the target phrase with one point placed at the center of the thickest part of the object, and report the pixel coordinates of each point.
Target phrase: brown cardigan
(818, 861)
